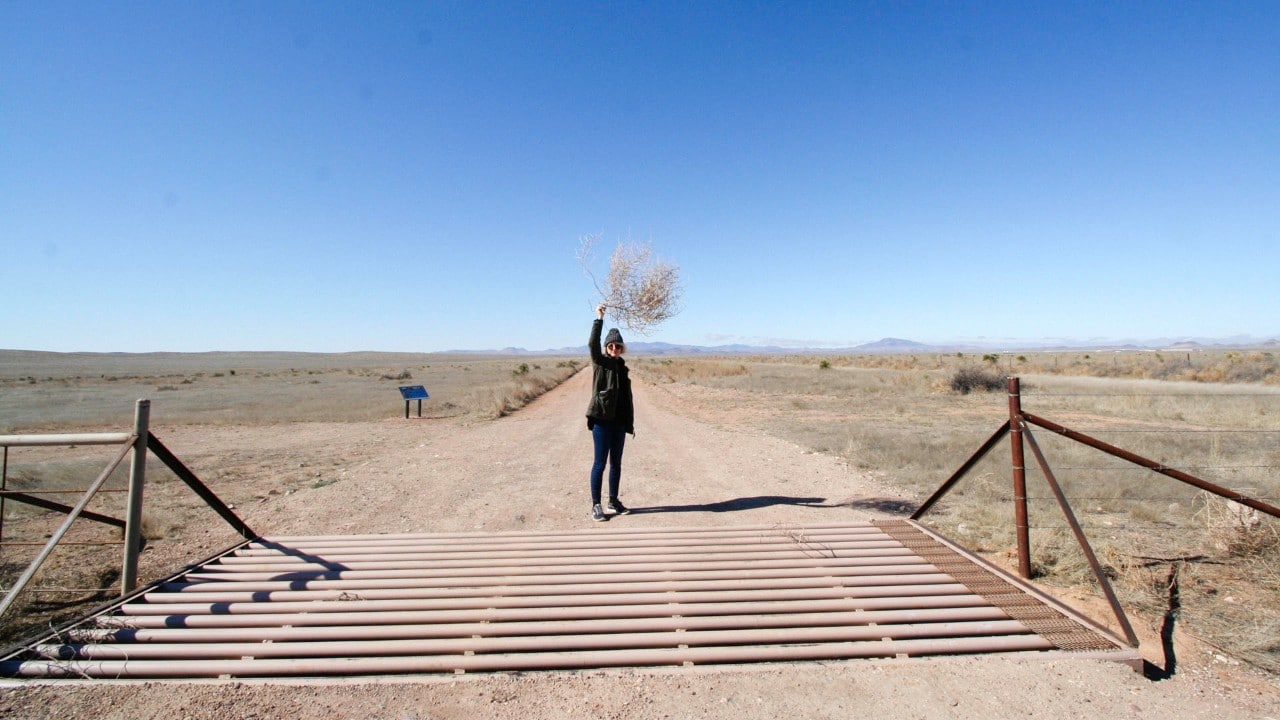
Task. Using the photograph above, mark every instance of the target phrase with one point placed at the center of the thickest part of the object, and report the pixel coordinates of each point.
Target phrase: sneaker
(617, 508)
(597, 514)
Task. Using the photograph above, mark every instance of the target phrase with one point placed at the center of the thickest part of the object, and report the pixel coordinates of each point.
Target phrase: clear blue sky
(416, 176)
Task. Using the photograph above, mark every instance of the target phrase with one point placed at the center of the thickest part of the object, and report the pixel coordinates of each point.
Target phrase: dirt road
(529, 471)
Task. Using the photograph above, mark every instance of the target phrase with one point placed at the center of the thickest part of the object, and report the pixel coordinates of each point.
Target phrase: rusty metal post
(1019, 478)
(133, 513)
(1082, 541)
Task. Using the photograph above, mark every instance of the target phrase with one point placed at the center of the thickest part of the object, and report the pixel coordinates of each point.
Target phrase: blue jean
(609, 439)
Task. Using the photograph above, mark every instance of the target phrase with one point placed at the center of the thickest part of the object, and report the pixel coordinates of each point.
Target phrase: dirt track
(529, 471)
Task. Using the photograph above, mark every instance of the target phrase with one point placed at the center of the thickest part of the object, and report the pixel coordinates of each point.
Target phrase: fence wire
(1146, 527)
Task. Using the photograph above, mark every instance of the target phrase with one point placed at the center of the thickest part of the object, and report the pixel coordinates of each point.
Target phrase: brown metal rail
(1017, 427)
(519, 601)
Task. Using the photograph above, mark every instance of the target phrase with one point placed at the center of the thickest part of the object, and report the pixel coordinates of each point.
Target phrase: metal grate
(604, 597)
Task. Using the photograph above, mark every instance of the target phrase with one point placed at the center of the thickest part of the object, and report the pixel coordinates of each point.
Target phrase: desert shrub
(1237, 530)
(641, 290)
(968, 379)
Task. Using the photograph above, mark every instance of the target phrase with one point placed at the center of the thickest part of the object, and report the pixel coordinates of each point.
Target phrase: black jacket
(611, 386)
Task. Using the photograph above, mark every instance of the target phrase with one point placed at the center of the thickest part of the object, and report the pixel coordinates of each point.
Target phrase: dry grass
(91, 391)
(45, 392)
(1204, 366)
(527, 383)
(682, 370)
(898, 418)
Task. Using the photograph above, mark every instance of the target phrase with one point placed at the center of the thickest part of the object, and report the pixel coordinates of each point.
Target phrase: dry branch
(641, 291)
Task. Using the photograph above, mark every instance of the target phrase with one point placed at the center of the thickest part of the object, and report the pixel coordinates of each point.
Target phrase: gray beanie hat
(613, 337)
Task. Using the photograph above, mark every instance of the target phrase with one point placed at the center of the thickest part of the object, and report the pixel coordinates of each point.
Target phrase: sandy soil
(529, 471)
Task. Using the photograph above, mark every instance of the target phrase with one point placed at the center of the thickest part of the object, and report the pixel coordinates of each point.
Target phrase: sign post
(413, 392)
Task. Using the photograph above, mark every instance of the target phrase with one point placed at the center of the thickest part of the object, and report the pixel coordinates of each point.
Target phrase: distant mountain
(899, 346)
(893, 345)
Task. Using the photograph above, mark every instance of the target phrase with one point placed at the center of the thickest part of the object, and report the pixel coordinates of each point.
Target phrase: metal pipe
(553, 642)
(481, 536)
(338, 578)
(389, 569)
(814, 541)
(814, 546)
(374, 570)
(489, 589)
(285, 562)
(506, 661)
(915, 574)
(621, 554)
(292, 567)
(133, 507)
(468, 629)
(497, 613)
(465, 598)
(65, 439)
(59, 507)
(312, 544)
(58, 491)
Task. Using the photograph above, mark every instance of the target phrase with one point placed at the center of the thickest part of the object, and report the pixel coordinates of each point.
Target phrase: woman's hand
(600, 311)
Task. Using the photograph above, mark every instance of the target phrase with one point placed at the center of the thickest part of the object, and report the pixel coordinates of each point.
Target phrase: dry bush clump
(1236, 530)
(640, 289)
(971, 378)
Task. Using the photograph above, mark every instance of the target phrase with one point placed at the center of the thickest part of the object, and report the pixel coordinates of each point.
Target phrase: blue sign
(413, 392)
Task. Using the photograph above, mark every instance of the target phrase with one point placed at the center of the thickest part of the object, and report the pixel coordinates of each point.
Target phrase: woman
(610, 414)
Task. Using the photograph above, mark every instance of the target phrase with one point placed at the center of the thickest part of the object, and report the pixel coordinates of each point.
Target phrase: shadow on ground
(737, 504)
(887, 506)
(1149, 669)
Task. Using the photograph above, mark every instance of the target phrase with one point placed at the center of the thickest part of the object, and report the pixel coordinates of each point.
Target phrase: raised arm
(593, 342)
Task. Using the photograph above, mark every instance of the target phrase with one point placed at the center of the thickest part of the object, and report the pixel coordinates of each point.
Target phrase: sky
(417, 177)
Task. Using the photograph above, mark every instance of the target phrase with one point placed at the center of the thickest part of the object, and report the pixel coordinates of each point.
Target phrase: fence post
(4, 485)
(133, 512)
(1019, 478)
